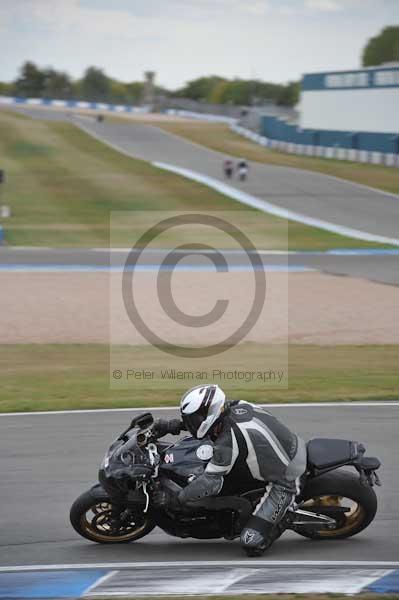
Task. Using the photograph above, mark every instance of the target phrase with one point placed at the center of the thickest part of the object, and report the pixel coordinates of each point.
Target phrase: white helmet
(201, 407)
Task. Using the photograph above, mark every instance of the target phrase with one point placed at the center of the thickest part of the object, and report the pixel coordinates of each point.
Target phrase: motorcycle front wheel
(93, 517)
(340, 489)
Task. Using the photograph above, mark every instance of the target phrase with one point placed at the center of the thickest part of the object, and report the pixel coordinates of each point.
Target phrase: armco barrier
(388, 159)
(73, 104)
(380, 148)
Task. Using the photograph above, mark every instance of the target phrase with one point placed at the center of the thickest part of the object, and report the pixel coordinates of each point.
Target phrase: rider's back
(255, 444)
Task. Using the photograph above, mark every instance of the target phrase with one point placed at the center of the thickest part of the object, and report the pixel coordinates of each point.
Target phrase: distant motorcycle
(242, 169)
(333, 504)
(228, 168)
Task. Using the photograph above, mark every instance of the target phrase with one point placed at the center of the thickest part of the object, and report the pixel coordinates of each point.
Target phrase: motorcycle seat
(324, 453)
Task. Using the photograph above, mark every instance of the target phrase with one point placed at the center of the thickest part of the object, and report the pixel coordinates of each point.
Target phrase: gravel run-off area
(304, 308)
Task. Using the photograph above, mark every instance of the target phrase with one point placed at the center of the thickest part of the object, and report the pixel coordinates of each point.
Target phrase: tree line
(248, 92)
(96, 86)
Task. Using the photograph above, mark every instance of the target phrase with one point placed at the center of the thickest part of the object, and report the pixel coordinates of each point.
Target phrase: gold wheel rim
(353, 518)
(99, 509)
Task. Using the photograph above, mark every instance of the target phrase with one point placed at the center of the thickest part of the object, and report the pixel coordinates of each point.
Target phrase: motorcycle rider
(242, 169)
(248, 443)
(228, 168)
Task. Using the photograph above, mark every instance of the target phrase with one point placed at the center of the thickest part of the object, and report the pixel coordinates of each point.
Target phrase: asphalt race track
(316, 195)
(312, 194)
(381, 267)
(46, 460)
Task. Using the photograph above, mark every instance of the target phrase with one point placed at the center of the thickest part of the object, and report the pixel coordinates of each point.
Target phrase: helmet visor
(194, 421)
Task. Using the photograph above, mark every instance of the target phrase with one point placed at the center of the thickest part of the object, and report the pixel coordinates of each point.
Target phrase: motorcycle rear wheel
(339, 488)
(91, 516)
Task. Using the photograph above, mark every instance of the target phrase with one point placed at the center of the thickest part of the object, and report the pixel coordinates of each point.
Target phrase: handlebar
(143, 421)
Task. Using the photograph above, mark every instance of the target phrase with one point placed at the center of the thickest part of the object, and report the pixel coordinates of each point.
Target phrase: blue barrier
(10, 100)
(277, 129)
(338, 148)
(1, 235)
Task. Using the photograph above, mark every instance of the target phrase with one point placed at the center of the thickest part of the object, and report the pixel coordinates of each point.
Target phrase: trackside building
(356, 111)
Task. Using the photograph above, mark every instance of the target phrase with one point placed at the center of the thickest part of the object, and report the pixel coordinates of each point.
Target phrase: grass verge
(219, 137)
(62, 185)
(56, 377)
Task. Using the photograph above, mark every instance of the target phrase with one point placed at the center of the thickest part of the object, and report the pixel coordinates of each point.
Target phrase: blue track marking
(387, 584)
(48, 584)
(199, 578)
(360, 252)
(54, 268)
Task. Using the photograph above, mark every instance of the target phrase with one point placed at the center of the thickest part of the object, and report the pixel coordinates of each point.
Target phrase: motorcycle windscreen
(125, 454)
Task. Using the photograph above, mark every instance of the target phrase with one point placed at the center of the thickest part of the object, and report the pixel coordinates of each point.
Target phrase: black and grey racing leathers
(253, 445)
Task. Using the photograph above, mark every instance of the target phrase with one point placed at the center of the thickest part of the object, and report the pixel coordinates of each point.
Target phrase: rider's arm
(164, 427)
(225, 453)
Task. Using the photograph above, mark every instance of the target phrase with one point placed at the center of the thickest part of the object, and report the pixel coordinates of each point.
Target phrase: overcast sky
(273, 40)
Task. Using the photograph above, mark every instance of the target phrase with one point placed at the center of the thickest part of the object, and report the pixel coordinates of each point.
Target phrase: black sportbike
(334, 503)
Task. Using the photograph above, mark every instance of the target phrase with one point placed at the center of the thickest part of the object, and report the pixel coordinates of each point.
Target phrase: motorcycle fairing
(182, 460)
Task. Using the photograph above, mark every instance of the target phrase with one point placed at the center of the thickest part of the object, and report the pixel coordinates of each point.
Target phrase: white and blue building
(345, 114)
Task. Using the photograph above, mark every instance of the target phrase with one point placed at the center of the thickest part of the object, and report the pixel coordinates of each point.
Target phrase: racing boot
(258, 535)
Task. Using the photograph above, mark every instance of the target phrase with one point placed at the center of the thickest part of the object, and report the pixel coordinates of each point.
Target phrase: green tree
(218, 93)
(57, 85)
(200, 89)
(289, 94)
(382, 48)
(238, 92)
(264, 91)
(95, 85)
(7, 89)
(135, 91)
(30, 83)
(118, 92)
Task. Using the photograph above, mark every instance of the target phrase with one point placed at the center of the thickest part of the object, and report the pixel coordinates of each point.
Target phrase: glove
(163, 427)
(175, 426)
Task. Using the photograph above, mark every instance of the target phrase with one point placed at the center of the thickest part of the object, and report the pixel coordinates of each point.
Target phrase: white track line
(273, 209)
(206, 563)
(97, 583)
(156, 408)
